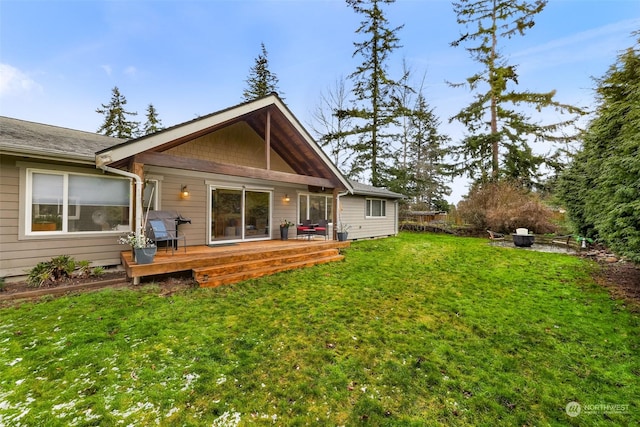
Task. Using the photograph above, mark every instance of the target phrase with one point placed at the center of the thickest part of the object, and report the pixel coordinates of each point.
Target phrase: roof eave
(44, 155)
(128, 149)
(319, 151)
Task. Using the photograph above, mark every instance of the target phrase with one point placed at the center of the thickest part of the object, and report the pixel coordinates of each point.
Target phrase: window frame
(368, 207)
(67, 213)
(328, 206)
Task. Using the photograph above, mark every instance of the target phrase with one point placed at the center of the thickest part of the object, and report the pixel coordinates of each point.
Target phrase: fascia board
(312, 143)
(136, 146)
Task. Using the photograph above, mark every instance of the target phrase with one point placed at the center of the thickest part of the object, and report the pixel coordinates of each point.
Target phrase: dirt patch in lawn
(622, 279)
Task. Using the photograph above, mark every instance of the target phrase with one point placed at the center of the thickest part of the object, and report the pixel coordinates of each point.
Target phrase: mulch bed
(22, 290)
(622, 279)
(167, 284)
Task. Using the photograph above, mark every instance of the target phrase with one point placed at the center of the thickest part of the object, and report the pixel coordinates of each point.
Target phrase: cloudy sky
(59, 60)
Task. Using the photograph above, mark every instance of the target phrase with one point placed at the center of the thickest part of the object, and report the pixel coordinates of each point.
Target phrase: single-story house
(236, 174)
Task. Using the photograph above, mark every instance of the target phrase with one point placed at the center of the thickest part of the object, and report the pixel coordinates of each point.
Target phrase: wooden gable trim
(170, 161)
(268, 117)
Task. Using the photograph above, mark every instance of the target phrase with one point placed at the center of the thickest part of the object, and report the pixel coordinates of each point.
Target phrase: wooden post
(335, 214)
(267, 140)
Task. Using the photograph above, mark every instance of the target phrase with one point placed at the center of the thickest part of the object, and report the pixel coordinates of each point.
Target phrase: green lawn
(410, 331)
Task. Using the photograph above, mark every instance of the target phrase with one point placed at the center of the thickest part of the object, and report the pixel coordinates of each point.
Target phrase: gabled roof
(268, 117)
(369, 190)
(23, 138)
(288, 138)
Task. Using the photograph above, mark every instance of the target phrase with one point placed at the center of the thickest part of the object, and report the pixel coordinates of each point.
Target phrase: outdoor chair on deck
(301, 228)
(322, 229)
(165, 231)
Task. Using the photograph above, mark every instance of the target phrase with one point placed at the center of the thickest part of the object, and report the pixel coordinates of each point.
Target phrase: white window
(64, 202)
(315, 207)
(376, 208)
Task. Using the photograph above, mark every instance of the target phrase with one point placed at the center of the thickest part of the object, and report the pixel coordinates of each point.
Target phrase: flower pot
(284, 233)
(145, 255)
(43, 226)
(342, 236)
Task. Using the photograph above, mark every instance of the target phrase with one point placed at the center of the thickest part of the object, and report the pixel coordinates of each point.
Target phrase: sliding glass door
(256, 214)
(239, 214)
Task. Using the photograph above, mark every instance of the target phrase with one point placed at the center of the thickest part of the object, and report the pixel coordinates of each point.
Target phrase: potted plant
(343, 231)
(46, 223)
(142, 248)
(284, 229)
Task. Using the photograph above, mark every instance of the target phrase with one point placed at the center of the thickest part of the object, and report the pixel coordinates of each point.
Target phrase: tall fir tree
(153, 123)
(427, 152)
(374, 110)
(261, 81)
(498, 138)
(116, 118)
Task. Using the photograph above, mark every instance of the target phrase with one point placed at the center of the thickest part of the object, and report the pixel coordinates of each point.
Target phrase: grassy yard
(410, 331)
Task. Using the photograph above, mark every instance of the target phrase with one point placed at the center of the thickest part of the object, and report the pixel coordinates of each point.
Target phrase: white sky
(59, 60)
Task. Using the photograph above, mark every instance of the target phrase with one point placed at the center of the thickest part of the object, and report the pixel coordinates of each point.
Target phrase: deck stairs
(237, 269)
(226, 266)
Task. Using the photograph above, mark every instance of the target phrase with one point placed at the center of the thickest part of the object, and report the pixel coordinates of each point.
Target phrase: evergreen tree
(419, 171)
(261, 81)
(427, 153)
(499, 136)
(116, 118)
(600, 188)
(153, 123)
(373, 89)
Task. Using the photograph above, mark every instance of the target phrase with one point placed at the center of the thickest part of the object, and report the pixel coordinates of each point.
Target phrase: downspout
(397, 214)
(339, 208)
(139, 184)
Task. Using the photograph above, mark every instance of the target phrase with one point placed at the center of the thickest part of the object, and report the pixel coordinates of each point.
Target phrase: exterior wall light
(286, 198)
(184, 192)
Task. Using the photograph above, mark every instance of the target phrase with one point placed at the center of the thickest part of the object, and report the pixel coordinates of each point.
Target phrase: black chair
(322, 229)
(165, 231)
(302, 228)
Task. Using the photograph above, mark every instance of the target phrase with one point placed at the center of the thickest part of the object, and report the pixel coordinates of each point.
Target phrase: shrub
(84, 268)
(504, 206)
(40, 274)
(56, 270)
(3, 284)
(97, 271)
(62, 267)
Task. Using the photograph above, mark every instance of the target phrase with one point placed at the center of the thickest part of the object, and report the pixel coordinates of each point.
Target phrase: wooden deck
(220, 265)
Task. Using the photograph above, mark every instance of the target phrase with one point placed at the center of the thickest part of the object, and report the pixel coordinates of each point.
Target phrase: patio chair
(322, 229)
(165, 231)
(495, 236)
(301, 228)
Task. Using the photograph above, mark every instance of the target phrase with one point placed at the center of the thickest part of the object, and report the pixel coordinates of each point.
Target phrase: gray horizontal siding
(353, 213)
(17, 255)
(196, 208)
